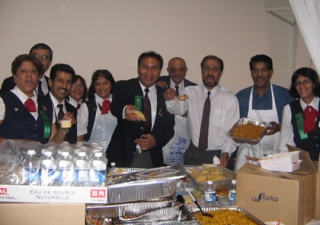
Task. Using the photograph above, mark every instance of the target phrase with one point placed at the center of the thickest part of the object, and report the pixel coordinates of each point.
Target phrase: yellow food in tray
(248, 131)
(213, 174)
(140, 115)
(223, 217)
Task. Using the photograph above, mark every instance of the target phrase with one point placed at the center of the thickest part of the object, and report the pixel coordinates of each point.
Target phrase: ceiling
(280, 9)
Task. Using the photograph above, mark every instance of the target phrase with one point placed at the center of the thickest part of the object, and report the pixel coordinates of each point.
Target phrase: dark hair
(42, 46)
(305, 72)
(261, 58)
(83, 82)
(212, 57)
(17, 62)
(100, 73)
(151, 54)
(61, 67)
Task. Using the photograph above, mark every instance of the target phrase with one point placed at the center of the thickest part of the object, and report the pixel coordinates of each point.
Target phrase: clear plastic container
(31, 169)
(210, 194)
(232, 192)
(98, 167)
(81, 169)
(65, 170)
(48, 169)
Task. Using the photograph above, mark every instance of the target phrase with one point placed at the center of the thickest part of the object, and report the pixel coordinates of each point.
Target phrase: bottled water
(48, 169)
(232, 192)
(81, 169)
(210, 195)
(31, 168)
(98, 167)
(65, 170)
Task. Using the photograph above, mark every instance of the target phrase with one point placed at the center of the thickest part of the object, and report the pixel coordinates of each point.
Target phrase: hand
(224, 159)
(146, 142)
(273, 127)
(68, 116)
(129, 113)
(162, 84)
(169, 94)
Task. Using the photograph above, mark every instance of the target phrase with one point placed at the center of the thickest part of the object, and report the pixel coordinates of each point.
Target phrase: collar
(181, 85)
(73, 102)
(55, 101)
(213, 91)
(267, 93)
(22, 96)
(100, 100)
(151, 89)
(314, 103)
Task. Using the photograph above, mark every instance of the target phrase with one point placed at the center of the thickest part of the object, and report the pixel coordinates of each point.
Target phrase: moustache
(211, 76)
(63, 89)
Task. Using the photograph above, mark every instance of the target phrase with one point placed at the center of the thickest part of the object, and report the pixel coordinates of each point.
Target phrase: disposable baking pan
(206, 209)
(130, 187)
(223, 184)
(243, 121)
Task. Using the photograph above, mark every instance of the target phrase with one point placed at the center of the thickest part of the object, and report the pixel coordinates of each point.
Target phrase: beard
(210, 84)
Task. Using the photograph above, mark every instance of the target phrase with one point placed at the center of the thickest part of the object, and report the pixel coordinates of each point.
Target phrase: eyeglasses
(43, 57)
(304, 82)
(77, 85)
(181, 70)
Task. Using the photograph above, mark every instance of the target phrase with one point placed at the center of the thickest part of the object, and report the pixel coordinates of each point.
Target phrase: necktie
(147, 112)
(78, 106)
(310, 115)
(60, 113)
(30, 105)
(105, 107)
(177, 90)
(40, 92)
(203, 139)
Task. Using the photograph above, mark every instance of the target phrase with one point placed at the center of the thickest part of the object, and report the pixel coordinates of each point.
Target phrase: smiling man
(60, 82)
(143, 140)
(264, 102)
(212, 111)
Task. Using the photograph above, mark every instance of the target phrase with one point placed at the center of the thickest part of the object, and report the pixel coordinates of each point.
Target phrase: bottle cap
(209, 182)
(113, 164)
(82, 154)
(233, 182)
(31, 152)
(98, 154)
(65, 153)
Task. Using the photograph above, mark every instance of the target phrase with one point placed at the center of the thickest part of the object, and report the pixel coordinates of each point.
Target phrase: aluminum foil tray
(131, 186)
(206, 209)
(243, 121)
(223, 184)
(136, 208)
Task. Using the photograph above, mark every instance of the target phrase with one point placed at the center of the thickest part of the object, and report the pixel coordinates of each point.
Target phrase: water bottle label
(81, 175)
(210, 196)
(232, 195)
(98, 176)
(47, 175)
(31, 175)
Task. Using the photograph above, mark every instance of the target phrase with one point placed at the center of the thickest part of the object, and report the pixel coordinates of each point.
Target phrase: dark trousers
(194, 156)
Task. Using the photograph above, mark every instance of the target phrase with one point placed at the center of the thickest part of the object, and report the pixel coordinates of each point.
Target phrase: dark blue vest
(92, 109)
(19, 123)
(310, 144)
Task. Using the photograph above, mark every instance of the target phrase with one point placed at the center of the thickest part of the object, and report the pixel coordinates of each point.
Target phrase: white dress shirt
(286, 133)
(83, 114)
(224, 113)
(73, 102)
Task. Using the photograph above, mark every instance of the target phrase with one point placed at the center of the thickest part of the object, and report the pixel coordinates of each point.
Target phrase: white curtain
(307, 14)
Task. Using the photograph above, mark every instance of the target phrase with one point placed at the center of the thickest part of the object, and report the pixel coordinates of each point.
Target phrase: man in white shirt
(222, 110)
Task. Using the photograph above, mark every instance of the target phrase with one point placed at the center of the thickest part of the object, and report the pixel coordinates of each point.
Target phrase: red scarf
(310, 115)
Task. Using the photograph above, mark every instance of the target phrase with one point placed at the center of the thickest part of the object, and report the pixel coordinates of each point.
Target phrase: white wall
(110, 34)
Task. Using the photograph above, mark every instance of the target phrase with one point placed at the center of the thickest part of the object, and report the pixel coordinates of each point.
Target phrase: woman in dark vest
(78, 93)
(96, 124)
(23, 114)
(301, 118)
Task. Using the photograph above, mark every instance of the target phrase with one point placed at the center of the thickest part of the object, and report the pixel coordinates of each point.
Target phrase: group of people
(192, 129)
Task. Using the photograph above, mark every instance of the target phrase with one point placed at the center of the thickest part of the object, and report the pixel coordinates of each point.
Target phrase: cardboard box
(48, 214)
(272, 196)
(52, 194)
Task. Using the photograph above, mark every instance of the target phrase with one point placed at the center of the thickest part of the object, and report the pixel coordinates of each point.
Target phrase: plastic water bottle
(232, 192)
(210, 194)
(48, 169)
(65, 169)
(98, 167)
(31, 168)
(81, 169)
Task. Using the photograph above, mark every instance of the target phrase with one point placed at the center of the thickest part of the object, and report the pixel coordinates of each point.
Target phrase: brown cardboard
(48, 214)
(317, 213)
(272, 196)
